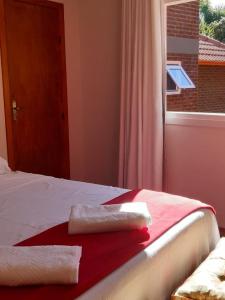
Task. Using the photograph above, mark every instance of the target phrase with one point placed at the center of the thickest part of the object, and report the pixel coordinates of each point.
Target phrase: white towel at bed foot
(102, 218)
(39, 265)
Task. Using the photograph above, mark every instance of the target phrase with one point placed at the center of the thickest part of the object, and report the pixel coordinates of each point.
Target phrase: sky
(217, 2)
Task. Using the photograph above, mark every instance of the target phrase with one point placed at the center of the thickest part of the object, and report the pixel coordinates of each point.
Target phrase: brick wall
(211, 96)
(183, 21)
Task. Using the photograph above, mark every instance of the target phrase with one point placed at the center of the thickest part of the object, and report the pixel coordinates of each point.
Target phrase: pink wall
(99, 37)
(92, 30)
(195, 160)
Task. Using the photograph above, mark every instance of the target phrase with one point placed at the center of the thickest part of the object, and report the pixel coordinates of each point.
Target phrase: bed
(30, 204)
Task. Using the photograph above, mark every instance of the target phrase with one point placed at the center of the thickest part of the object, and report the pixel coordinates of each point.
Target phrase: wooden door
(34, 75)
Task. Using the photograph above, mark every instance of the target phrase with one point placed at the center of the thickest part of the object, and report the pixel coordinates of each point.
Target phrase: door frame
(6, 85)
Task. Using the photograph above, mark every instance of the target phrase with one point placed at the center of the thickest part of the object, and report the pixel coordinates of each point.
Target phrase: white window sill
(170, 93)
(195, 119)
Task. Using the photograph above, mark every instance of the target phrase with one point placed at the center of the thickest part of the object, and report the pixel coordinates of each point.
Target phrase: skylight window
(179, 77)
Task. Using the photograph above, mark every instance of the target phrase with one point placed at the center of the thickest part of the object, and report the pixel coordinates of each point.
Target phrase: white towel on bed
(102, 218)
(39, 265)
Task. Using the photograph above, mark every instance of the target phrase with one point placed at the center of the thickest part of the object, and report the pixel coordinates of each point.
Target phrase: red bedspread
(102, 253)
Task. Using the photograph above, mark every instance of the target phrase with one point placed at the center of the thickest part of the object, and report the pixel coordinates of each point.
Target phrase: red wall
(211, 89)
(183, 20)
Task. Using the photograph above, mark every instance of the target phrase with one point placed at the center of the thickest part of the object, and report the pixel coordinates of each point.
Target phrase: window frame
(178, 90)
(179, 66)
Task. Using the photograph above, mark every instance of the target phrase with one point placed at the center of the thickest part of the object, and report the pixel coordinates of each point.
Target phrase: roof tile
(211, 50)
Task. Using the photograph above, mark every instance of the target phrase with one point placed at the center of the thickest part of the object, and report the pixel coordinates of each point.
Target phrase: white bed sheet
(30, 204)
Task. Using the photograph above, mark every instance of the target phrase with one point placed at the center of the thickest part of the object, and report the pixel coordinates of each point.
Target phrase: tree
(212, 21)
(206, 29)
(206, 12)
(218, 30)
(210, 14)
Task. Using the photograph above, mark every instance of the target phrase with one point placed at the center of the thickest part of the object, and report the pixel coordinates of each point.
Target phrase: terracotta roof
(211, 51)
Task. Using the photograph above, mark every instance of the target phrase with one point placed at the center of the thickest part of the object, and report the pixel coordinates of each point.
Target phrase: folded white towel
(102, 218)
(39, 265)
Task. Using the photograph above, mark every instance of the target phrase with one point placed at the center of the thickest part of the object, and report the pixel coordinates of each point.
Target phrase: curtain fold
(141, 116)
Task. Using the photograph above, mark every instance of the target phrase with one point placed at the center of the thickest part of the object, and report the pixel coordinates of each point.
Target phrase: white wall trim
(195, 119)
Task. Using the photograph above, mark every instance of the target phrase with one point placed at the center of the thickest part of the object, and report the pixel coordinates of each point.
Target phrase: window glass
(179, 77)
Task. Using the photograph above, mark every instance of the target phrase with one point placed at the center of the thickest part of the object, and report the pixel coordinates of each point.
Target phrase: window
(177, 78)
(201, 57)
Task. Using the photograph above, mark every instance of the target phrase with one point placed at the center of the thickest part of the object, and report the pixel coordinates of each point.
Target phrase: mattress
(30, 204)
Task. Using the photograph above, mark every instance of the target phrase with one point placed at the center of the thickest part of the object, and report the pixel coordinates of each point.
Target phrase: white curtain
(141, 120)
